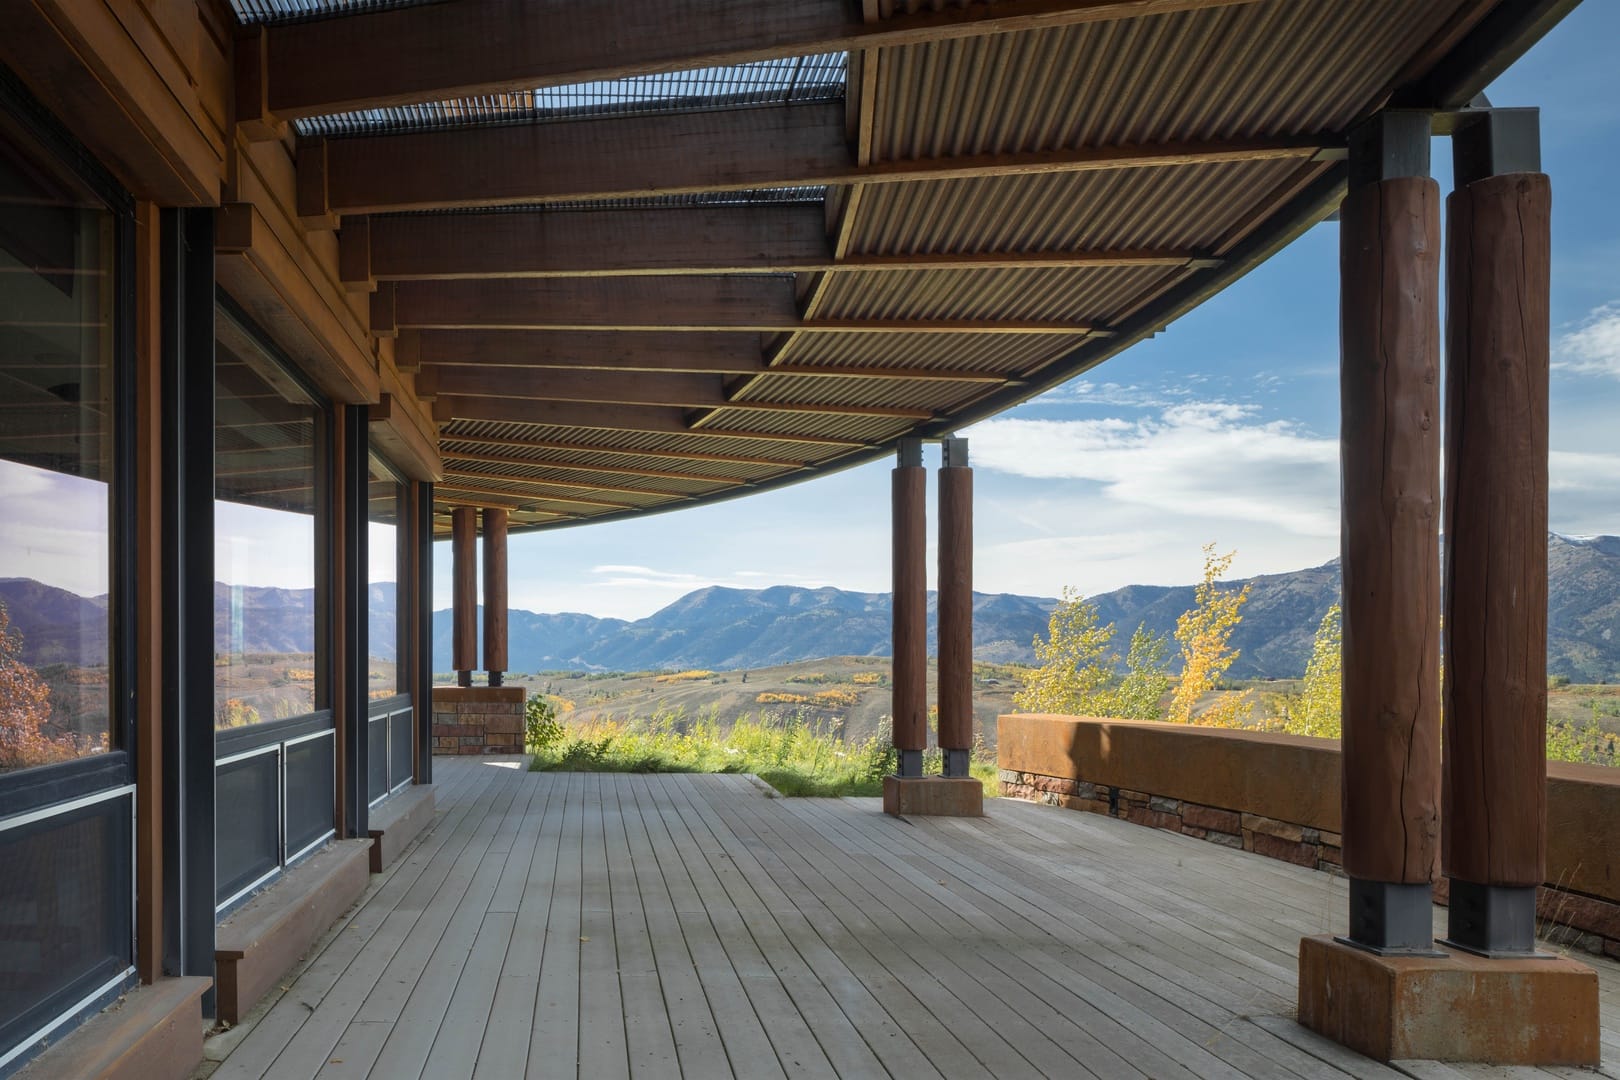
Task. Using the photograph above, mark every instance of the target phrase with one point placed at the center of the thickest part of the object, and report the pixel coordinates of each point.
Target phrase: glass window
(267, 427)
(56, 414)
(382, 597)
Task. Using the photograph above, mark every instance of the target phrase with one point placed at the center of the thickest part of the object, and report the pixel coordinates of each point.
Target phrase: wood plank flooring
(598, 925)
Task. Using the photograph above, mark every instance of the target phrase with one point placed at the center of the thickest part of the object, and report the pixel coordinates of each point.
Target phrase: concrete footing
(1454, 1007)
(943, 796)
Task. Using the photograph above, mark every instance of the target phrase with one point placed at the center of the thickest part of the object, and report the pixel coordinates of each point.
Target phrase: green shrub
(541, 728)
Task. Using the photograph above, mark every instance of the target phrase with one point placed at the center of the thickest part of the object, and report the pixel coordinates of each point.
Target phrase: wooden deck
(553, 925)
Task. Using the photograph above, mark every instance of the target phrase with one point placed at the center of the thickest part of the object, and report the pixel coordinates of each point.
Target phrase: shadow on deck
(605, 925)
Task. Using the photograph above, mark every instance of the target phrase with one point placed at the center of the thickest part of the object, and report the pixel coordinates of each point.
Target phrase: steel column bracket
(908, 452)
(911, 763)
(953, 453)
(1491, 920)
(956, 763)
(1391, 918)
(1491, 142)
(1390, 144)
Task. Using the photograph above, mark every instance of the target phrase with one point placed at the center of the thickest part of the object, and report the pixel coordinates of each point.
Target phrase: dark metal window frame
(53, 791)
(30, 789)
(231, 745)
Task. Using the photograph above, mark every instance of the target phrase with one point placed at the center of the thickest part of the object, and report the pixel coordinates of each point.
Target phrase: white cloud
(1212, 459)
(1592, 346)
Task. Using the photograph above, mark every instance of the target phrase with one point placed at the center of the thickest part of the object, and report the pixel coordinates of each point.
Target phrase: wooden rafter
(594, 467)
(435, 52)
(691, 391)
(646, 418)
(708, 304)
(685, 153)
(777, 238)
(462, 472)
(600, 350)
(531, 497)
(665, 454)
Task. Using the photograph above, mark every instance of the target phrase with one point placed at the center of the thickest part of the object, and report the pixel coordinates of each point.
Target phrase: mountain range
(721, 628)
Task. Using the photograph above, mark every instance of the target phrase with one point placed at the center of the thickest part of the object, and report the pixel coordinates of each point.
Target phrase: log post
(1390, 458)
(910, 608)
(464, 596)
(495, 593)
(955, 606)
(1497, 330)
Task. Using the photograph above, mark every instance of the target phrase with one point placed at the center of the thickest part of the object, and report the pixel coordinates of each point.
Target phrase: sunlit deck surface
(605, 925)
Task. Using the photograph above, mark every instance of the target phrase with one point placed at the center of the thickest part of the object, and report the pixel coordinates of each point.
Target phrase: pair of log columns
(1498, 273)
(910, 608)
(1484, 807)
(464, 596)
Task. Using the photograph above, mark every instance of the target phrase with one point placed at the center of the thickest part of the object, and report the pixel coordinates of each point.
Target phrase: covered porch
(601, 925)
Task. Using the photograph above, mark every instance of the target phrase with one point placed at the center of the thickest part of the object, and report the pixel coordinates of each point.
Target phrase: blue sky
(1222, 428)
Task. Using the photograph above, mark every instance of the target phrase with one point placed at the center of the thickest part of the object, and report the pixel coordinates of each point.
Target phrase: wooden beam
(537, 497)
(606, 387)
(355, 247)
(489, 46)
(659, 419)
(717, 303)
(710, 304)
(779, 238)
(663, 454)
(819, 371)
(685, 240)
(562, 414)
(723, 353)
(721, 150)
(465, 473)
(478, 504)
(595, 467)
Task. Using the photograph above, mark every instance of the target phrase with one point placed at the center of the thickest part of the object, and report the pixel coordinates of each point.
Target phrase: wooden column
(495, 593)
(1498, 270)
(910, 613)
(464, 596)
(1390, 488)
(955, 606)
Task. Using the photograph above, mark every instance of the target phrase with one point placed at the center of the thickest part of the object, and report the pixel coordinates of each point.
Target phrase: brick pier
(478, 719)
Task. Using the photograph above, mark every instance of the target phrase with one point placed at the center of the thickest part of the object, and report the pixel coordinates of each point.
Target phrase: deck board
(626, 925)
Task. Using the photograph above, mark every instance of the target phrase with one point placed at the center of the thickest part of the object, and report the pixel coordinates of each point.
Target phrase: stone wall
(478, 719)
(1278, 796)
(1290, 841)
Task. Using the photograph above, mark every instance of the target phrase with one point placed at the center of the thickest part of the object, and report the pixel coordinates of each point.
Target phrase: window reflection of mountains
(61, 627)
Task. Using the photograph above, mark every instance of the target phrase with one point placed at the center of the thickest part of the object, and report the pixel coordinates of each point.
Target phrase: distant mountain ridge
(722, 628)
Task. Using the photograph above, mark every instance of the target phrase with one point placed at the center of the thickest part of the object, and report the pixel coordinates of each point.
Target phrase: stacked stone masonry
(1565, 917)
(478, 720)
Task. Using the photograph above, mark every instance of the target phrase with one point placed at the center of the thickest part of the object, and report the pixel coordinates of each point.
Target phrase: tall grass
(795, 754)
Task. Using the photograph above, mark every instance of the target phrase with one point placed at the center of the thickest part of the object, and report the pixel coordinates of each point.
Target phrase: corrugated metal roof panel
(1230, 72)
(1068, 295)
(948, 352)
(899, 393)
(1180, 207)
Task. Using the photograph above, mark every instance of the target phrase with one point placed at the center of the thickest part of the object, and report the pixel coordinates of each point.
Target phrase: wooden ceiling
(684, 249)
